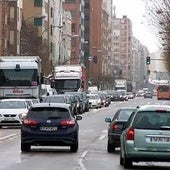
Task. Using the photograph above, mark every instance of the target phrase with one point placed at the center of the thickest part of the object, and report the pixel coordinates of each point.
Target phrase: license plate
(44, 128)
(9, 119)
(160, 139)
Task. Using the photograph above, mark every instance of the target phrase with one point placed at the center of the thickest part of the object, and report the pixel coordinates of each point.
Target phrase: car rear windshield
(57, 99)
(45, 113)
(152, 120)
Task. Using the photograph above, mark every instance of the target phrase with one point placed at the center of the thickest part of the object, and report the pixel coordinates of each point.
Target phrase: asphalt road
(92, 153)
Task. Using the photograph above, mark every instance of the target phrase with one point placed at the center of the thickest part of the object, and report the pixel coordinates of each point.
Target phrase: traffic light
(148, 60)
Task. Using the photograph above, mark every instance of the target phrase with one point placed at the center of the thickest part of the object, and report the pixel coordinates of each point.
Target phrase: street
(92, 153)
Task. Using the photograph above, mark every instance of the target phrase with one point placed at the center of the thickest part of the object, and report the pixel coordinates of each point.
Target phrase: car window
(12, 104)
(151, 120)
(45, 113)
(57, 99)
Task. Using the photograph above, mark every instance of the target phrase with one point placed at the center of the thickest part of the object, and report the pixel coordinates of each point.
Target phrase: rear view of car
(116, 126)
(50, 125)
(147, 137)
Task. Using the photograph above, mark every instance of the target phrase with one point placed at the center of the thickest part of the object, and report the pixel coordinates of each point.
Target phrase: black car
(116, 126)
(148, 94)
(49, 125)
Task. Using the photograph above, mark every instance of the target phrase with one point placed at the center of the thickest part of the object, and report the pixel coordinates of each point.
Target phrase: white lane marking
(104, 131)
(102, 137)
(8, 136)
(81, 160)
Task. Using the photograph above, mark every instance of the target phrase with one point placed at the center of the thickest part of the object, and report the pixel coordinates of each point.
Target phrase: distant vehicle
(120, 85)
(163, 92)
(50, 125)
(69, 78)
(147, 136)
(60, 98)
(148, 94)
(140, 93)
(12, 111)
(116, 125)
(94, 101)
(20, 76)
(130, 95)
(92, 89)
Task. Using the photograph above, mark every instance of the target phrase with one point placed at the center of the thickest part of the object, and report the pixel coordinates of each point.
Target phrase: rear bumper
(114, 139)
(49, 140)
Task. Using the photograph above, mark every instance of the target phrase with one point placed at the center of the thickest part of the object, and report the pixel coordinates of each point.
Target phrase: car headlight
(22, 115)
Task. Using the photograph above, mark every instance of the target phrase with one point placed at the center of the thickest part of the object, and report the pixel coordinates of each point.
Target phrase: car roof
(58, 105)
(153, 107)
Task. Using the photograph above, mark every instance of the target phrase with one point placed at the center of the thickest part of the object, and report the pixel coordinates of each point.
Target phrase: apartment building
(76, 8)
(122, 48)
(10, 26)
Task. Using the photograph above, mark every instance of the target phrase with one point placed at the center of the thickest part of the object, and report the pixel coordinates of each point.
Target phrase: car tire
(25, 147)
(121, 159)
(127, 163)
(74, 147)
(110, 147)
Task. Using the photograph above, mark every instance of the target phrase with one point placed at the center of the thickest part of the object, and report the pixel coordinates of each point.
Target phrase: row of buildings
(74, 32)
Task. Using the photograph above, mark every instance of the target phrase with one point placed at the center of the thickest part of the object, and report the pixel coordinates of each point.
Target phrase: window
(73, 27)
(38, 21)
(38, 3)
(11, 36)
(12, 13)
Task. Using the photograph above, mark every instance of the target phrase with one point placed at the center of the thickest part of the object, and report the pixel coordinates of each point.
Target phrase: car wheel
(25, 147)
(121, 159)
(74, 147)
(127, 163)
(110, 147)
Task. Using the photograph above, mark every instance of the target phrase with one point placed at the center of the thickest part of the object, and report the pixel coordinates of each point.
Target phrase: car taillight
(68, 123)
(30, 122)
(130, 134)
(115, 126)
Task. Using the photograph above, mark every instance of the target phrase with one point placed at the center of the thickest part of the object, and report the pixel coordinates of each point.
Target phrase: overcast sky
(135, 10)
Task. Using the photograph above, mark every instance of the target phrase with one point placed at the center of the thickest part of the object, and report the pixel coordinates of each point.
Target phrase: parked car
(60, 98)
(116, 126)
(86, 101)
(80, 94)
(12, 111)
(50, 125)
(147, 135)
(94, 101)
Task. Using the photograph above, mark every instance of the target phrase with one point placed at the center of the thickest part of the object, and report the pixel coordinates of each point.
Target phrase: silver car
(147, 136)
(94, 101)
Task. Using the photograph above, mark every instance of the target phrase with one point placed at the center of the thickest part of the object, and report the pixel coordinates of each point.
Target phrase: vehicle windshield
(163, 88)
(12, 105)
(67, 84)
(51, 112)
(151, 120)
(22, 77)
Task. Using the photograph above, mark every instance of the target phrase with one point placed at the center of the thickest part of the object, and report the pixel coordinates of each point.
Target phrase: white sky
(134, 9)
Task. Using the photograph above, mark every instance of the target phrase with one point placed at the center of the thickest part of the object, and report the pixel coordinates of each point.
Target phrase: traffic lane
(8, 132)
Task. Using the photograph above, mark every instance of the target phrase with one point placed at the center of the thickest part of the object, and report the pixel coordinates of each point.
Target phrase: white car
(12, 111)
(94, 101)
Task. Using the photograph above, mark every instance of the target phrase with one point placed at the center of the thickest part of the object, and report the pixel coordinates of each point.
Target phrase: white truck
(69, 78)
(20, 76)
(120, 85)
